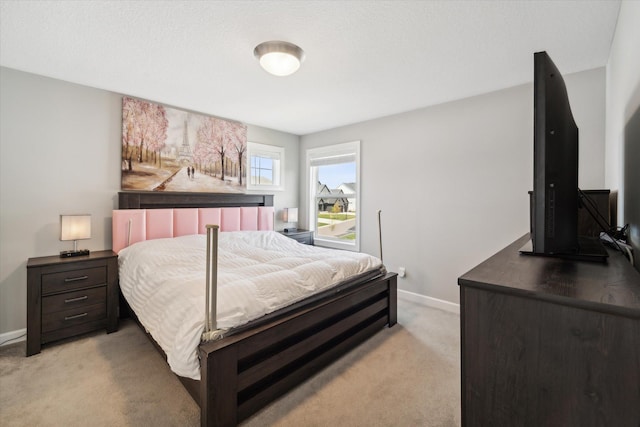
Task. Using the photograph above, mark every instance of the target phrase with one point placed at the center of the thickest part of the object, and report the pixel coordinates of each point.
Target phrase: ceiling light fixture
(279, 58)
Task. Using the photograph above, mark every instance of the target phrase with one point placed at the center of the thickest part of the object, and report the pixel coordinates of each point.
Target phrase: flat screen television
(555, 200)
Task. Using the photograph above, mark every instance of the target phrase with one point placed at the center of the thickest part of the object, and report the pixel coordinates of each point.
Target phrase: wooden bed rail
(244, 372)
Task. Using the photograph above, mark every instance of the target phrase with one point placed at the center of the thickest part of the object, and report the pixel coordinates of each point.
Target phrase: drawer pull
(75, 316)
(82, 298)
(75, 279)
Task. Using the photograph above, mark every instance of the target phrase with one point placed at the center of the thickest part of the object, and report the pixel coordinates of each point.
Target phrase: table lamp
(290, 215)
(75, 227)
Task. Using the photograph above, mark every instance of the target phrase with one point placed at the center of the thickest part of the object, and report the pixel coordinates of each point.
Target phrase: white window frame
(277, 155)
(325, 155)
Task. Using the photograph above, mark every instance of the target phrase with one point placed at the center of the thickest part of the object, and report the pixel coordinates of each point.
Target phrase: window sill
(333, 244)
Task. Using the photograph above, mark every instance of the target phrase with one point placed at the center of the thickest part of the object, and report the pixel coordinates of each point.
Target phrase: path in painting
(200, 182)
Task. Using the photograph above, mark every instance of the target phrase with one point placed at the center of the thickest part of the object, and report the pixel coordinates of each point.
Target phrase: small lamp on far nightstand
(75, 227)
(290, 215)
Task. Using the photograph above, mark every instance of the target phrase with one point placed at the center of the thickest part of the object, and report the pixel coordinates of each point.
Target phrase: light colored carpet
(408, 375)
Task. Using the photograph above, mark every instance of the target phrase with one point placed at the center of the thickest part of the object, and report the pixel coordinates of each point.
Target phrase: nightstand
(70, 296)
(302, 236)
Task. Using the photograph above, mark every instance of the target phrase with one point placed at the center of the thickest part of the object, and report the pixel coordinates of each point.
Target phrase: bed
(253, 364)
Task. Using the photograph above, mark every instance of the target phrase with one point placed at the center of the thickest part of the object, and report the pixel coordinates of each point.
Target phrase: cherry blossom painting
(167, 149)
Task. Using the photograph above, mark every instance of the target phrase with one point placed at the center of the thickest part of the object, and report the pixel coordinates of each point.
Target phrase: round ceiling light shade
(279, 58)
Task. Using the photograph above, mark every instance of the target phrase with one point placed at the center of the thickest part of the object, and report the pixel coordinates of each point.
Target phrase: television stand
(550, 342)
(589, 249)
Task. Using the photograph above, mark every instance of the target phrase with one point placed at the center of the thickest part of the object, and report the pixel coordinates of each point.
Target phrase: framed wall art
(167, 149)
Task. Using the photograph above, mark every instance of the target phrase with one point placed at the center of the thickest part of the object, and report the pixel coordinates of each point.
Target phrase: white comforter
(163, 281)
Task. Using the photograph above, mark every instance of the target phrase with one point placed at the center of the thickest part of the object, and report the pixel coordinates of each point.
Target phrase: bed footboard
(242, 373)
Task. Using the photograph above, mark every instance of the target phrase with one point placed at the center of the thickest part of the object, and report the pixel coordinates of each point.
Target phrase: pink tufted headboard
(134, 225)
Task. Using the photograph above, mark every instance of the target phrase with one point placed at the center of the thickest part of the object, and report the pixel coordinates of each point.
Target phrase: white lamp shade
(278, 57)
(290, 215)
(75, 227)
(279, 63)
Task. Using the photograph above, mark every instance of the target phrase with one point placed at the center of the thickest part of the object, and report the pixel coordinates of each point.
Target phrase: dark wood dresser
(70, 296)
(550, 342)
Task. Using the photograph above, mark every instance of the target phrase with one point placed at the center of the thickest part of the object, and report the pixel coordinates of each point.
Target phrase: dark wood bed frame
(242, 373)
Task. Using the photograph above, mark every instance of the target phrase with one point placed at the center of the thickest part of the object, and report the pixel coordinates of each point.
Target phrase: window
(261, 170)
(334, 188)
(266, 166)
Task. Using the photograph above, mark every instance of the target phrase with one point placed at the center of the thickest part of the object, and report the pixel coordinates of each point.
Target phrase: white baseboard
(429, 301)
(13, 337)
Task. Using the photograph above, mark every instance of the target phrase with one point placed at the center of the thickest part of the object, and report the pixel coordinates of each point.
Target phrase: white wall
(60, 153)
(452, 180)
(623, 93)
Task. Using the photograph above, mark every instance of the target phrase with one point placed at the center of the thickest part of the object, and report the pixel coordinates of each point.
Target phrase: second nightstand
(302, 236)
(70, 296)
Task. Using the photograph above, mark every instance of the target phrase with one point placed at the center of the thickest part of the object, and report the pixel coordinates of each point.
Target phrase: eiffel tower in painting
(184, 155)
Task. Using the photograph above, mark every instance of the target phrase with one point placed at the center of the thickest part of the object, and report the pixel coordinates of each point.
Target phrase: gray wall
(60, 153)
(452, 180)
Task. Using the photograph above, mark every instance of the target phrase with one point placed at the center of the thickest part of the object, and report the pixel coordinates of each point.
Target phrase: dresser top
(611, 287)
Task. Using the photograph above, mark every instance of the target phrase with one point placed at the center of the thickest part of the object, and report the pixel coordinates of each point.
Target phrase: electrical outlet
(402, 271)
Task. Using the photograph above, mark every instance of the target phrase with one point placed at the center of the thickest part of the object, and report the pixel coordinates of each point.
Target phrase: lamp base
(69, 254)
(290, 230)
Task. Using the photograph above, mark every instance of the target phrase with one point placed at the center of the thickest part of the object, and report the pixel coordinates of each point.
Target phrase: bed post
(218, 386)
(211, 316)
(393, 298)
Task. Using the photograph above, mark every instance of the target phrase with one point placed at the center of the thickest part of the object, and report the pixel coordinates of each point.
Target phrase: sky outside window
(334, 175)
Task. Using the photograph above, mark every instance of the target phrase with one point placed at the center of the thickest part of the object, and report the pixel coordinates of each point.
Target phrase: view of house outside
(336, 201)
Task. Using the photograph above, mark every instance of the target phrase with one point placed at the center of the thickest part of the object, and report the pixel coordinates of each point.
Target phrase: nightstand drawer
(71, 300)
(305, 239)
(301, 236)
(73, 279)
(74, 316)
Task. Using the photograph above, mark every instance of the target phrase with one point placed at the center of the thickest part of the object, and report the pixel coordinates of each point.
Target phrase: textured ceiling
(364, 59)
